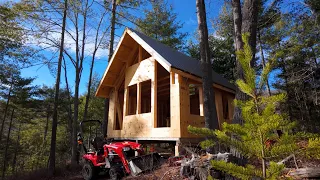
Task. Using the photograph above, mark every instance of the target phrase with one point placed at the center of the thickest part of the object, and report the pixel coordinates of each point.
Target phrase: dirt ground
(165, 172)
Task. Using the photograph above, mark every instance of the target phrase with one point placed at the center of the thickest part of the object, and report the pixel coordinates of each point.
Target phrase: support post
(201, 100)
(125, 102)
(138, 98)
(154, 95)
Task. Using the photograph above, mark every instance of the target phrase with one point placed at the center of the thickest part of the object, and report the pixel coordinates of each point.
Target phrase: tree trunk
(14, 162)
(6, 110)
(6, 149)
(52, 157)
(237, 23)
(244, 22)
(210, 114)
(263, 62)
(69, 103)
(106, 101)
(249, 24)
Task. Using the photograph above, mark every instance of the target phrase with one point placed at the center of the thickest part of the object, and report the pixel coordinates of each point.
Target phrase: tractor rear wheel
(89, 172)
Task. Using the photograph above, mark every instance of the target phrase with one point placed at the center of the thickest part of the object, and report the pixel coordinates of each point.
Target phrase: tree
(210, 114)
(161, 24)
(52, 158)
(256, 138)
(245, 21)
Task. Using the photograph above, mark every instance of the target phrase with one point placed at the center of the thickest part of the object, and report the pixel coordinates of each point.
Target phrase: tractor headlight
(126, 148)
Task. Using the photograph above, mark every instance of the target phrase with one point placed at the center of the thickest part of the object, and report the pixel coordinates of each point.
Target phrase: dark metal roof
(181, 61)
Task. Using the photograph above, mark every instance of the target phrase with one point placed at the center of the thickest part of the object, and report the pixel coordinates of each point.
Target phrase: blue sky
(186, 14)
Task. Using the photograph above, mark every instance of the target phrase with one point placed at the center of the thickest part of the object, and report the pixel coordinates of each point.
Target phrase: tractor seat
(97, 143)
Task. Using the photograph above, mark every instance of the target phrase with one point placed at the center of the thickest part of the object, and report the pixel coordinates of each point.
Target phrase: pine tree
(161, 24)
(257, 137)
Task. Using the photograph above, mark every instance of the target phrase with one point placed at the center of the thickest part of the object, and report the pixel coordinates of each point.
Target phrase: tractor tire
(114, 173)
(89, 172)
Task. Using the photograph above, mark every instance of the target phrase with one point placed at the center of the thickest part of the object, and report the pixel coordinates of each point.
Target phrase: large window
(194, 99)
(145, 96)
(132, 100)
(119, 108)
(163, 97)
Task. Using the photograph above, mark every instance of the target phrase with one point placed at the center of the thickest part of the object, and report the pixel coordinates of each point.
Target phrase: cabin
(155, 92)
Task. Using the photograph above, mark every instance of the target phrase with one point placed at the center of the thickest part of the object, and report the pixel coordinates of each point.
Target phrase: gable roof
(181, 61)
(165, 55)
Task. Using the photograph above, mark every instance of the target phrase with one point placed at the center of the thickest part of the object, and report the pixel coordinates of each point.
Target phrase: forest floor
(165, 172)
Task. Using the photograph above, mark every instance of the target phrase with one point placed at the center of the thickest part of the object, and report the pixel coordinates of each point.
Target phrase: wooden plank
(111, 115)
(201, 100)
(175, 105)
(184, 105)
(138, 98)
(140, 72)
(154, 95)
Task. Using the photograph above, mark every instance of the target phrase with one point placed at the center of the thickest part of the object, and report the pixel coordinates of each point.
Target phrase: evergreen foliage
(160, 23)
(257, 137)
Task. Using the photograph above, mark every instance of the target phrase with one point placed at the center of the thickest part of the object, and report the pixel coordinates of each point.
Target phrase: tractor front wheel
(114, 173)
(89, 171)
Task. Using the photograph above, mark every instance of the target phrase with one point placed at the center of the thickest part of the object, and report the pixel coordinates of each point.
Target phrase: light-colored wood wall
(144, 125)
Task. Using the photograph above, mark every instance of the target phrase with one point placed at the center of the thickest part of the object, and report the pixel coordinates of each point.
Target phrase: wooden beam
(108, 85)
(224, 88)
(126, 46)
(133, 52)
(140, 53)
(172, 78)
(120, 78)
(154, 95)
(125, 102)
(201, 100)
(138, 98)
(187, 75)
(111, 61)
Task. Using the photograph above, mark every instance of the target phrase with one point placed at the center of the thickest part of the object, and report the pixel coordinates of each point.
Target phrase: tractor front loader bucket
(144, 163)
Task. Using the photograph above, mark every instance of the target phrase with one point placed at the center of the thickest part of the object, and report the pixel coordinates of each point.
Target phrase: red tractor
(118, 159)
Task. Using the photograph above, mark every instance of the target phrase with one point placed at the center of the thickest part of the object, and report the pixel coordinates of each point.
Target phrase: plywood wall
(143, 125)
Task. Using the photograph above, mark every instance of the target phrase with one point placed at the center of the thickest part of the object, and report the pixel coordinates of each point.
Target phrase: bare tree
(210, 114)
(97, 43)
(52, 158)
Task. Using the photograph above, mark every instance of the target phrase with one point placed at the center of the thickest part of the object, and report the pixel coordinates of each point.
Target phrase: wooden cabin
(155, 92)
